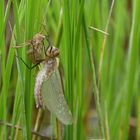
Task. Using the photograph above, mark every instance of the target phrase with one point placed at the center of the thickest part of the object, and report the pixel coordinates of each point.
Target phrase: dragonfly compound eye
(52, 51)
(55, 52)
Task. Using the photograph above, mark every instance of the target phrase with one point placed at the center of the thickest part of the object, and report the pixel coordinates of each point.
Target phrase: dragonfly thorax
(51, 63)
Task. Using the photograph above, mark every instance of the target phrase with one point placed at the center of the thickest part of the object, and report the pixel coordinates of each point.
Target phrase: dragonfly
(48, 91)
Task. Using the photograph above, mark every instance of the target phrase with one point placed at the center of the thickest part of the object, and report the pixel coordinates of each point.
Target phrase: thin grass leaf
(131, 68)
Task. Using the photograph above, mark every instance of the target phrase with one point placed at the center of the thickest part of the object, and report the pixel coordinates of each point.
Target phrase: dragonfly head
(52, 51)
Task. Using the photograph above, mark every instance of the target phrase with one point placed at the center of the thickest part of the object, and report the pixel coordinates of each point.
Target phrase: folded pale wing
(53, 98)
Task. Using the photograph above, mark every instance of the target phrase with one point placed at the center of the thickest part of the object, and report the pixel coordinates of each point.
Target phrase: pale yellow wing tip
(67, 122)
(70, 122)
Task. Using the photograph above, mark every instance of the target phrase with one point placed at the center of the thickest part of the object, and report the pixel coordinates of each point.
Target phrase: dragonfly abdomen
(43, 75)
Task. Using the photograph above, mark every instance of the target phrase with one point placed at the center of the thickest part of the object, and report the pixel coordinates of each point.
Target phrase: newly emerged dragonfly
(48, 88)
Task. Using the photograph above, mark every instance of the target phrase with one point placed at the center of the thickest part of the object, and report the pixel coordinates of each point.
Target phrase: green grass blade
(131, 67)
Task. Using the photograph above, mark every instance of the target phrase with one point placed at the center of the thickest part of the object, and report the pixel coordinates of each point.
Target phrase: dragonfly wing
(53, 98)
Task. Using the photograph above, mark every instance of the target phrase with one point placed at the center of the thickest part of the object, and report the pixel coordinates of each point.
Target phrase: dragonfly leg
(36, 64)
(30, 68)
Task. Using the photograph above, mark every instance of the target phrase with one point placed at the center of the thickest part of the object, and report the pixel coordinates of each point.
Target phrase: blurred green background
(100, 69)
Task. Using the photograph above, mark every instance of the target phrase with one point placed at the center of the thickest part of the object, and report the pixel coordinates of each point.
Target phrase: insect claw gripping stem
(30, 68)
